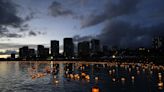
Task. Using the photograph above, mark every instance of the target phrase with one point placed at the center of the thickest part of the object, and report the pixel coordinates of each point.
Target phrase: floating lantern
(83, 74)
(110, 72)
(160, 85)
(113, 79)
(96, 78)
(87, 77)
(113, 56)
(54, 76)
(95, 89)
(160, 76)
(122, 79)
(143, 70)
(138, 72)
(77, 76)
(71, 76)
(66, 72)
(130, 69)
(113, 71)
(56, 81)
(132, 77)
(151, 72)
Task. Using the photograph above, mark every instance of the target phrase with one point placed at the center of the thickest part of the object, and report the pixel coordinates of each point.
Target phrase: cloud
(32, 33)
(112, 10)
(56, 9)
(129, 23)
(11, 24)
(15, 45)
(4, 32)
(124, 34)
(8, 14)
(78, 38)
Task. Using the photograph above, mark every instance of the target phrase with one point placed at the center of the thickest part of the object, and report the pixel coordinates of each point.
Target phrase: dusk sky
(122, 23)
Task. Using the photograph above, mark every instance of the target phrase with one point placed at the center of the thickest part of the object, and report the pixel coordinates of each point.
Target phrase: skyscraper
(84, 49)
(46, 53)
(158, 42)
(32, 54)
(12, 56)
(55, 48)
(68, 48)
(95, 46)
(105, 50)
(40, 51)
(24, 52)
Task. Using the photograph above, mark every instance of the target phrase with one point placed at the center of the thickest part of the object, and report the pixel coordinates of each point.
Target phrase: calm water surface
(80, 77)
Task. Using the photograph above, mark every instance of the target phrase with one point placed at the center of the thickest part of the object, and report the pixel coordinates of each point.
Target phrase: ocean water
(72, 76)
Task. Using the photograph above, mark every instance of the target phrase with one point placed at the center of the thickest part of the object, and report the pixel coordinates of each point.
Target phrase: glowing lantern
(71, 76)
(96, 78)
(133, 77)
(56, 81)
(110, 72)
(113, 79)
(95, 89)
(160, 76)
(113, 56)
(160, 85)
(87, 77)
(83, 74)
(122, 79)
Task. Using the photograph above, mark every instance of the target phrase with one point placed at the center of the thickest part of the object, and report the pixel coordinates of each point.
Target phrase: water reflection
(80, 77)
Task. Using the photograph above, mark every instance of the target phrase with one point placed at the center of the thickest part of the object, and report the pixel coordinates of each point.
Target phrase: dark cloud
(13, 35)
(123, 7)
(129, 23)
(123, 34)
(15, 45)
(30, 16)
(32, 33)
(126, 35)
(56, 9)
(4, 32)
(8, 14)
(78, 38)
(9, 19)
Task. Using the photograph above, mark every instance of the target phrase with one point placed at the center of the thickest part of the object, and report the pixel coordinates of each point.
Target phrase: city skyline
(85, 50)
(122, 23)
(92, 45)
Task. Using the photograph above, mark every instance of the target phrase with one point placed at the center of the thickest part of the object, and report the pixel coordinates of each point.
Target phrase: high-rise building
(84, 49)
(68, 48)
(24, 52)
(32, 54)
(95, 46)
(40, 51)
(105, 50)
(158, 42)
(46, 53)
(13, 56)
(55, 48)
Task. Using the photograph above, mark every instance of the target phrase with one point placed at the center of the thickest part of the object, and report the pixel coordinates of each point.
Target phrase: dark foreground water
(80, 77)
